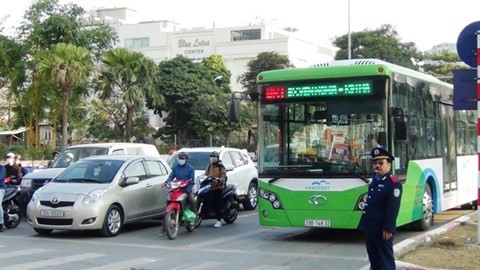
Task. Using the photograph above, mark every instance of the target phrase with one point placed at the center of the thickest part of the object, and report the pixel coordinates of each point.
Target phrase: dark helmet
(55, 153)
(214, 154)
(182, 155)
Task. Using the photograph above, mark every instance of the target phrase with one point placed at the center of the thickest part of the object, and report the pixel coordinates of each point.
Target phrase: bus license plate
(51, 213)
(325, 223)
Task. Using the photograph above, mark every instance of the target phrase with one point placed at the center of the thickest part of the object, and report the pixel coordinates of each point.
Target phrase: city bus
(316, 129)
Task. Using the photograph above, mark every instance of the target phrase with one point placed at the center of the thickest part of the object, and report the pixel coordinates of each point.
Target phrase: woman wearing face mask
(12, 170)
(217, 170)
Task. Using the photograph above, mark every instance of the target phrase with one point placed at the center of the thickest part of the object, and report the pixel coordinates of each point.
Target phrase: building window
(131, 43)
(252, 34)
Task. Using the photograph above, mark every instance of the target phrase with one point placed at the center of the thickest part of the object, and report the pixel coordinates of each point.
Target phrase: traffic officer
(378, 220)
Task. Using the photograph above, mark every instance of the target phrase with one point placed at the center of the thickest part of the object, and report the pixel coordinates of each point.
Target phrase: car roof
(105, 145)
(120, 157)
(209, 149)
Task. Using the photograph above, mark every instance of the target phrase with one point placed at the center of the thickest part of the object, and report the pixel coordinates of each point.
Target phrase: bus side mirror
(400, 123)
(234, 110)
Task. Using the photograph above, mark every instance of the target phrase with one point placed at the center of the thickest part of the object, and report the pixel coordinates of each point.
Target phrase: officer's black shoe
(2, 228)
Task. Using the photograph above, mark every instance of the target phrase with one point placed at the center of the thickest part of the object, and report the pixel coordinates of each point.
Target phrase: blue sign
(467, 44)
(465, 89)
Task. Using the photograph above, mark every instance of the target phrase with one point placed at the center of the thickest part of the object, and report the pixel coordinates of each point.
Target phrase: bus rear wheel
(427, 219)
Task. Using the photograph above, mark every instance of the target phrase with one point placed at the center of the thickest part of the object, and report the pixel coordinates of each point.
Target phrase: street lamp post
(349, 35)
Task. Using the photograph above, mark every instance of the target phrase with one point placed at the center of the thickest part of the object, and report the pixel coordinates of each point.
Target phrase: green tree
(382, 43)
(67, 67)
(181, 82)
(441, 64)
(133, 74)
(263, 62)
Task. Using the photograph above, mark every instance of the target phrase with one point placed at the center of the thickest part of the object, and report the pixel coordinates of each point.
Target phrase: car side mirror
(132, 181)
(229, 167)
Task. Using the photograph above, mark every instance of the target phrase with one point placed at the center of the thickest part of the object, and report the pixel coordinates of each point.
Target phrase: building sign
(194, 48)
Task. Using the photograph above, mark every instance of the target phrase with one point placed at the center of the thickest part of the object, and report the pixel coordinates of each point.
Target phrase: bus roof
(344, 69)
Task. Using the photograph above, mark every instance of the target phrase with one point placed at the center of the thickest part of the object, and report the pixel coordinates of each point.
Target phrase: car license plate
(51, 213)
(325, 223)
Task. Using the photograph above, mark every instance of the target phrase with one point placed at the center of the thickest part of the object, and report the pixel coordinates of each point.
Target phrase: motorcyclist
(12, 170)
(184, 171)
(18, 161)
(217, 170)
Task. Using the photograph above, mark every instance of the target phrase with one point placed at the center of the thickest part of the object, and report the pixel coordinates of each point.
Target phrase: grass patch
(456, 249)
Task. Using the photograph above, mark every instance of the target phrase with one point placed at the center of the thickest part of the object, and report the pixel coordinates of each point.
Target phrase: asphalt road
(242, 245)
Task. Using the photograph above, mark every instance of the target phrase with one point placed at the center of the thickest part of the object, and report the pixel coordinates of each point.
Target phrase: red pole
(478, 133)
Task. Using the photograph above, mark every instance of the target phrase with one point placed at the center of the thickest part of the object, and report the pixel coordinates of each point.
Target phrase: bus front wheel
(427, 218)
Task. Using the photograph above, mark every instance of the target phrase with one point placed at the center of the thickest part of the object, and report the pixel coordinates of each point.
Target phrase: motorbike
(229, 204)
(12, 214)
(177, 214)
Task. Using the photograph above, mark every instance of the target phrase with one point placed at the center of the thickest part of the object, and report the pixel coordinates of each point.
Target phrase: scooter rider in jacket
(3, 173)
(184, 171)
(217, 170)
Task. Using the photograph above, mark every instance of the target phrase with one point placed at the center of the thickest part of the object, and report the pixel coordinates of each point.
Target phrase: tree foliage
(133, 75)
(67, 67)
(441, 64)
(263, 62)
(383, 43)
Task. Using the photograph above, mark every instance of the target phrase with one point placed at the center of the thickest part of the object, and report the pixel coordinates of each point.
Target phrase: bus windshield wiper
(291, 170)
(352, 170)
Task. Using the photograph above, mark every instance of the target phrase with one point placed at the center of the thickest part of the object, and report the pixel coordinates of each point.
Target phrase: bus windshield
(319, 138)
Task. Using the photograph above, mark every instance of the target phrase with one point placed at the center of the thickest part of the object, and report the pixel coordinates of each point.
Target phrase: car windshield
(71, 155)
(90, 171)
(198, 160)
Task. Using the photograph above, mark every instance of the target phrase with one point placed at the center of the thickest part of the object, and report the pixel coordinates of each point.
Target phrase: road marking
(128, 264)
(25, 252)
(224, 239)
(268, 267)
(52, 262)
(202, 266)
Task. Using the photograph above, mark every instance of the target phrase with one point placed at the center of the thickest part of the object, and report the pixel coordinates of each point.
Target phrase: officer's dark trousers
(380, 252)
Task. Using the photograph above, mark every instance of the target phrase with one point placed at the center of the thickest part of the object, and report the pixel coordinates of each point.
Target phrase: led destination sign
(330, 89)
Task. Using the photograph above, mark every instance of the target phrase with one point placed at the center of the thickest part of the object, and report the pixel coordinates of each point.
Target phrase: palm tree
(133, 74)
(67, 67)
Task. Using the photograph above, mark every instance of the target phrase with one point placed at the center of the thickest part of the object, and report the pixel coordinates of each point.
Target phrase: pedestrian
(378, 220)
(217, 170)
(3, 174)
(183, 171)
(12, 170)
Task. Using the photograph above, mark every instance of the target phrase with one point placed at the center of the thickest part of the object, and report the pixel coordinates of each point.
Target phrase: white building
(162, 40)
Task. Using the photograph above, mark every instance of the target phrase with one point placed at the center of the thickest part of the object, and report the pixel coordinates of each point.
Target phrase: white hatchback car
(241, 170)
(101, 193)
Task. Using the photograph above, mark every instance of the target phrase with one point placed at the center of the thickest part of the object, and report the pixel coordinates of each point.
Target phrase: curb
(412, 243)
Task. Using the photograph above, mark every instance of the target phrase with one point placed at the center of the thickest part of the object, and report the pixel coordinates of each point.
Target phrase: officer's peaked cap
(381, 153)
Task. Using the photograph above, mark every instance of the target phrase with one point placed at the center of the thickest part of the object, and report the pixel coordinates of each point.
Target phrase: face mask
(181, 162)
(213, 160)
(10, 161)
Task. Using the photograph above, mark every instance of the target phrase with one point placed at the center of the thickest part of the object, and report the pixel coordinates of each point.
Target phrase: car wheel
(251, 201)
(427, 219)
(113, 222)
(42, 231)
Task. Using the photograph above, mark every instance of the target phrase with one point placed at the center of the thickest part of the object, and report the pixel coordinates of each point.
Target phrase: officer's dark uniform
(380, 214)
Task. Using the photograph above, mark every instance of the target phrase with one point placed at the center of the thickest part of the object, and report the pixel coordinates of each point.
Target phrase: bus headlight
(271, 197)
(361, 202)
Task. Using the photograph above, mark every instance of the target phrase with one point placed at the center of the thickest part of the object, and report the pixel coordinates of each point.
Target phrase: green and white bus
(317, 126)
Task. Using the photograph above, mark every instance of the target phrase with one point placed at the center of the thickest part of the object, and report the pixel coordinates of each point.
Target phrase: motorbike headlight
(26, 183)
(94, 196)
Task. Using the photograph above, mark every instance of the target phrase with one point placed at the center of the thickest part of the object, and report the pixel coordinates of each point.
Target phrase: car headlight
(26, 183)
(35, 195)
(94, 196)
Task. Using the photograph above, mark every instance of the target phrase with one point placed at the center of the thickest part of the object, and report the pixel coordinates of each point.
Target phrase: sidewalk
(411, 243)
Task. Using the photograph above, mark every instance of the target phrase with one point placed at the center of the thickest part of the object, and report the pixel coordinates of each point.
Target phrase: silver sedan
(101, 193)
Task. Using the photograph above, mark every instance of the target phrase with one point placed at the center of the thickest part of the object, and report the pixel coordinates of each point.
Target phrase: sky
(423, 22)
